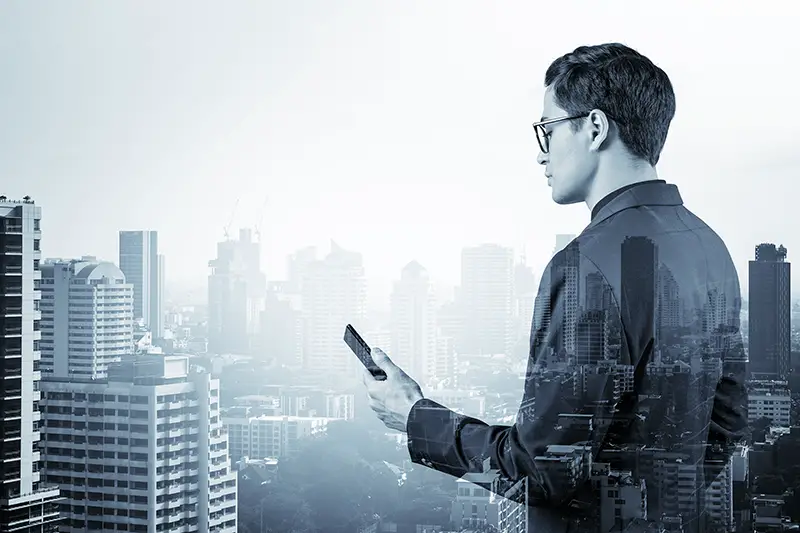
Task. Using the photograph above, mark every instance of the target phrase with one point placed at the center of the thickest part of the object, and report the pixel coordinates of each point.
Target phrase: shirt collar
(653, 192)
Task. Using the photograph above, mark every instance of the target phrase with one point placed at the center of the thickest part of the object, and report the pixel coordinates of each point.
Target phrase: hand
(392, 398)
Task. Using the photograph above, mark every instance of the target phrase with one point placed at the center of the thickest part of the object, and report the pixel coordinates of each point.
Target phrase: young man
(634, 397)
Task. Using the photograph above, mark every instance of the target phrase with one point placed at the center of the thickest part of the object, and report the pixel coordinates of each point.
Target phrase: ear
(598, 127)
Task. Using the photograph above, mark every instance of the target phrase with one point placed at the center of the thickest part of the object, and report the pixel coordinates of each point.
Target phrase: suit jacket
(634, 399)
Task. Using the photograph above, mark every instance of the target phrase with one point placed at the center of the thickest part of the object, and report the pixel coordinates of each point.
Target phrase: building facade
(143, 450)
(144, 269)
(87, 318)
(27, 504)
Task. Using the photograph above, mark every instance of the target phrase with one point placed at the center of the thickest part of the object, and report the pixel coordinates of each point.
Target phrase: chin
(565, 199)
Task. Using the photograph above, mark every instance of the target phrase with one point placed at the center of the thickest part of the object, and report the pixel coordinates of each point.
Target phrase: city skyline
(198, 200)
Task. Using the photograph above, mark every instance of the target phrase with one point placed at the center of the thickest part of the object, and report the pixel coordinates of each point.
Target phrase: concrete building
(413, 315)
(144, 269)
(769, 313)
(272, 436)
(487, 296)
(143, 450)
(334, 293)
(769, 399)
(27, 505)
(237, 290)
(87, 317)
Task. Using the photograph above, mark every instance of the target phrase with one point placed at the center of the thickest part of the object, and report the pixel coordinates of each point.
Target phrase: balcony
(11, 310)
(11, 434)
(11, 226)
(11, 475)
(11, 369)
(11, 289)
(10, 455)
(10, 330)
(11, 393)
(11, 269)
(10, 351)
(11, 249)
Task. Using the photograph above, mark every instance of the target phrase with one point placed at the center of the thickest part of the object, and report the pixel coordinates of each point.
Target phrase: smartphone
(363, 352)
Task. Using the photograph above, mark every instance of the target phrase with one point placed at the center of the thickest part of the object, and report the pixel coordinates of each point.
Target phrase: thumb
(383, 361)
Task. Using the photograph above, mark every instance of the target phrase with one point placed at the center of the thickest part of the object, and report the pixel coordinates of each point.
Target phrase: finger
(383, 361)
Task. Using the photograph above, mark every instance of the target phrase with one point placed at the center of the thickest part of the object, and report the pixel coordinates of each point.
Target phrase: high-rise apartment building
(769, 313)
(143, 450)
(87, 317)
(237, 291)
(334, 293)
(487, 292)
(413, 317)
(144, 269)
(27, 505)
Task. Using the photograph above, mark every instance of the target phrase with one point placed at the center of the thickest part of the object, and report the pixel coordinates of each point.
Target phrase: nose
(541, 158)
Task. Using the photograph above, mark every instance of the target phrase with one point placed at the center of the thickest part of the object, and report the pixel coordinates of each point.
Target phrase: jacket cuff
(424, 415)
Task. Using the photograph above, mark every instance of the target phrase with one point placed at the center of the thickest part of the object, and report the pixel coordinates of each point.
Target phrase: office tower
(236, 293)
(87, 317)
(282, 325)
(670, 307)
(140, 262)
(525, 284)
(26, 504)
(143, 450)
(591, 338)
(487, 289)
(770, 313)
(639, 283)
(565, 271)
(562, 240)
(413, 319)
(334, 294)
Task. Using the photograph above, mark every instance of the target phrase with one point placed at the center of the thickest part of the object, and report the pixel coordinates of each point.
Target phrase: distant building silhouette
(770, 313)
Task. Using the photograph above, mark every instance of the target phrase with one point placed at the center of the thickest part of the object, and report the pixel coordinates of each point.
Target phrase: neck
(609, 178)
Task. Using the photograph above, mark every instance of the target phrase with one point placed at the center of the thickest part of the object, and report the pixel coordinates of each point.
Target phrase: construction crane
(257, 229)
(230, 221)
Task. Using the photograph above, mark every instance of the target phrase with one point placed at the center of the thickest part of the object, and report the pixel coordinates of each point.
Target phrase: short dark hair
(623, 83)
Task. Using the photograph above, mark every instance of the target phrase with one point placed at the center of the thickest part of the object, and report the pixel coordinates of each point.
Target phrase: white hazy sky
(399, 129)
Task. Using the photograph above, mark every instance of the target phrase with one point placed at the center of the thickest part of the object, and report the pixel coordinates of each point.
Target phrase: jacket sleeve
(458, 445)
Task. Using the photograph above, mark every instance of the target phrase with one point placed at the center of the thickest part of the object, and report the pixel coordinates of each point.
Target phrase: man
(634, 395)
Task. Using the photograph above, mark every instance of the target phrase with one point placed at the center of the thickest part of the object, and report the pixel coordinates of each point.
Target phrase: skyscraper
(769, 312)
(566, 275)
(237, 291)
(639, 283)
(413, 311)
(142, 266)
(87, 317)
(487, 289)
(334, 293)
(26, 504)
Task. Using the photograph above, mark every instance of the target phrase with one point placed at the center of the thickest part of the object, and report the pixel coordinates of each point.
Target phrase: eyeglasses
(543, 136)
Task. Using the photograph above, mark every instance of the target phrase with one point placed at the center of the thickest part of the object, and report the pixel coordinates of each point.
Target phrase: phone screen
(363, 352)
